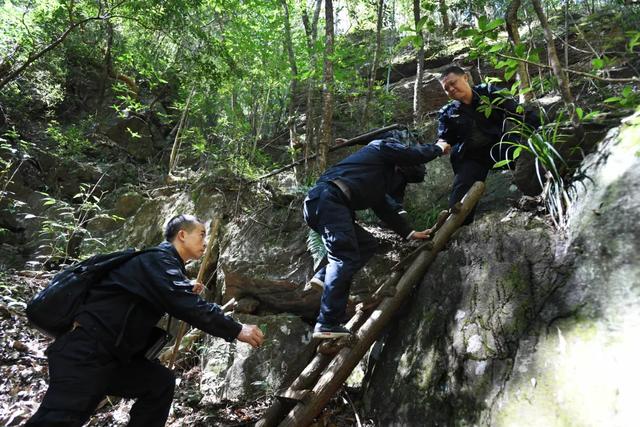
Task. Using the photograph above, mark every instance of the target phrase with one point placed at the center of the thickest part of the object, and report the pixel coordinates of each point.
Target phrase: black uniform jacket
(469, 131)
(127, 304)
(369, 174)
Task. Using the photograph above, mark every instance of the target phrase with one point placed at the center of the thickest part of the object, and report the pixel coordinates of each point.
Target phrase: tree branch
(35, 56)
(579, 73)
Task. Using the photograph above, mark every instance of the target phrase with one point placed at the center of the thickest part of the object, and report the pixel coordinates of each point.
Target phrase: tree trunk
(293, 85)
(327, 89)
(173, 159)
(107, 68)
(556, 66)
(444, 14)
(417, 88)
(511, 22)
(374, 64)
(311, 30)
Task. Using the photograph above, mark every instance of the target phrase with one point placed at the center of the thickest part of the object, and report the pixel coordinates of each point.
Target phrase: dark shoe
(330, 331)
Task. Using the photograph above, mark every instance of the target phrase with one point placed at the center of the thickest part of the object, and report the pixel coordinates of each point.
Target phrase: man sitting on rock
(104, 352)
(360, 181)
(477, 140)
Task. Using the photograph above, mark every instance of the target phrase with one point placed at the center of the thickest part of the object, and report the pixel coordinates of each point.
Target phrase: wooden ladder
(304, 399)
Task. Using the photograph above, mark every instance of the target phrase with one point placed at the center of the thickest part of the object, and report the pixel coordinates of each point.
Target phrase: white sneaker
(330, 331)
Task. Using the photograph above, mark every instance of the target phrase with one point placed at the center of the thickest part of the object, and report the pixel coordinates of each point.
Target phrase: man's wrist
(411, 235)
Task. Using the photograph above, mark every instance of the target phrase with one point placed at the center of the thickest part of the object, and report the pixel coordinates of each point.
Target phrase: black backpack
(53, 309)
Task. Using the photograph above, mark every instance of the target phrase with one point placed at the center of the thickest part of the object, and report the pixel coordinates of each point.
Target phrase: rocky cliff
(517, 324)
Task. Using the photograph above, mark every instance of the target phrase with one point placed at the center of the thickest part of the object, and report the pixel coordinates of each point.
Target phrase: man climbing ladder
(358, 182)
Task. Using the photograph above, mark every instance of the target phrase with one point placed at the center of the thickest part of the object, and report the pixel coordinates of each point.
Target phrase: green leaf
(494, 24)
(483, 23)
(467, 32)
(509, 73)
(422, 22)
(497, 47)
(597, 63)
(591, 115)
(502, 163)
(520, 50)
(516, 152)
(580, 112)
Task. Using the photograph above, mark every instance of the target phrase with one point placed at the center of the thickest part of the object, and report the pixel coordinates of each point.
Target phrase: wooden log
(299, 395)
(312, 371)
(309, 375)
(403, 263)
(442, 217)
(343, 363)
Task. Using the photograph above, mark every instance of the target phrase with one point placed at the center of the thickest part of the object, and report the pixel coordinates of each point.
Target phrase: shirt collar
(168, 246)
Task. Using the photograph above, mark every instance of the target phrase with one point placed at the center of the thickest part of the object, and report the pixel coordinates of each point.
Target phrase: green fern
(316, 247)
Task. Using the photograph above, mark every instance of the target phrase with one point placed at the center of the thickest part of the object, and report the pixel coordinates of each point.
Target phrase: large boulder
(134, 136)
(432, 97)
(515, 321)
(238, 372)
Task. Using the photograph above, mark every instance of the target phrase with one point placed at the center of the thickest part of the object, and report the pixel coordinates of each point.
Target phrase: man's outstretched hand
(444, 145)
(252, 335)
(421, 235)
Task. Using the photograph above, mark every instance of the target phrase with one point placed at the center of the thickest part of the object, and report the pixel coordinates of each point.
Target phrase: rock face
(134, 135)
(238, 372)
(514, 322)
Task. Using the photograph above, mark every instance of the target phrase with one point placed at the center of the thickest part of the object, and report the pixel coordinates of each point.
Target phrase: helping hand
(252, 335)
(444, 145)
(421, 235)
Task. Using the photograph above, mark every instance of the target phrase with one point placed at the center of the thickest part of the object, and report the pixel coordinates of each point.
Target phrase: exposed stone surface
(272, 295)
(514, 322)
(133, 134)
(431, 95)
(238, 372)
(128, 204)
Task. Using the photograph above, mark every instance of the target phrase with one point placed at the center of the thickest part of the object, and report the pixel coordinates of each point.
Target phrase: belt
(343, 187)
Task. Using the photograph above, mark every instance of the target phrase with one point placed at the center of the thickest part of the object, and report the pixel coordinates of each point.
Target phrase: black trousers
(82, 372)
(471, 165)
